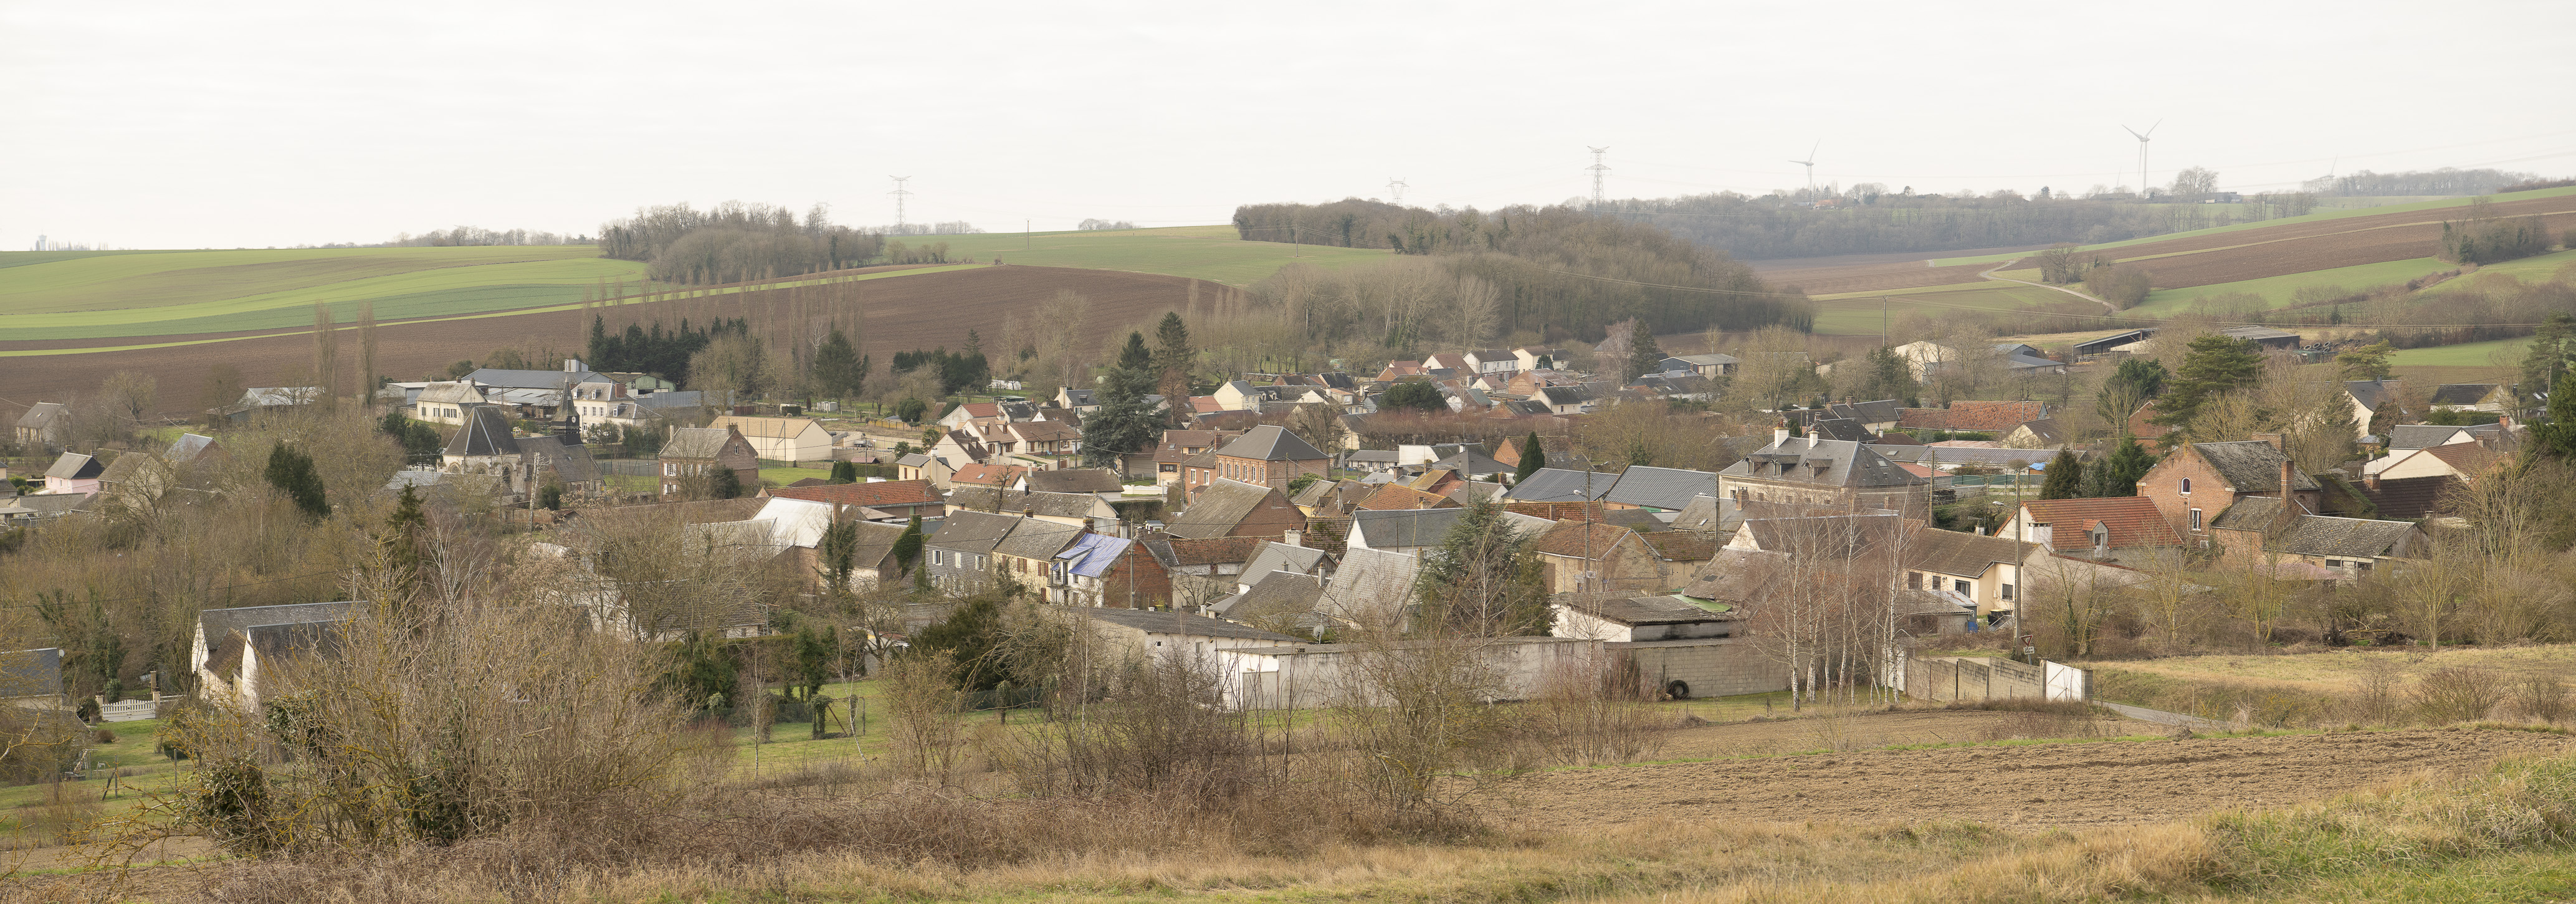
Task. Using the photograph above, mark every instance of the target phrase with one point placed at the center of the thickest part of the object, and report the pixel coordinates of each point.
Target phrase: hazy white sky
(157, 125)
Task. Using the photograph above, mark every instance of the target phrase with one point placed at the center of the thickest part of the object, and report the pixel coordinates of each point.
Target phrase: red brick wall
(1153, 585)
(2163, 484)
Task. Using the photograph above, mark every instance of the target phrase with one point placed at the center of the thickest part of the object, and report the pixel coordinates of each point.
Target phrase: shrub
(2123, 287)
(2541, 697)
(2458, 694)
(103, 736)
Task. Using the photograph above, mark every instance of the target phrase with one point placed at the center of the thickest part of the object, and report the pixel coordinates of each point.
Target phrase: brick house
(697, 451)
(1821, 472)
(1232, 508)
(2195, 483)
(891, 498)
(1113, 572)
(1269, 456)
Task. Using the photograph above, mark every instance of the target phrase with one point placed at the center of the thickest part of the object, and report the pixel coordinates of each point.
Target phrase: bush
(2123, 287)
(2541, 697)
(2490, 241)
(2461, 694)
(103, 736)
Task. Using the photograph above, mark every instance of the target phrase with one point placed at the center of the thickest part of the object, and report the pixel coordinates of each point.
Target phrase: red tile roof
(2133, 520)
(880, 494)
(1977, 416)
(987, 475)
(1392, 497)
(2472, 460)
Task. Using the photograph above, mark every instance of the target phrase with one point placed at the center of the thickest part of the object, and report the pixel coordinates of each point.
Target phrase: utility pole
(899, 194)
(1598, 169)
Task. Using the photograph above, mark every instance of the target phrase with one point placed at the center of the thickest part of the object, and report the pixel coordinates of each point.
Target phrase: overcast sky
(161, 125)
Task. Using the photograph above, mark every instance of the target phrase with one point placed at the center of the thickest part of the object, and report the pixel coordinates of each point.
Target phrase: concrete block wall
(1946, 679)
(1713, 667)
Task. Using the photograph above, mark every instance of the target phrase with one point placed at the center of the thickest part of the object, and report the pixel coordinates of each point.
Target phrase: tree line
(1552, 271)
(653, 351)
(1872, 222)
(2444, 181)
(735, 242)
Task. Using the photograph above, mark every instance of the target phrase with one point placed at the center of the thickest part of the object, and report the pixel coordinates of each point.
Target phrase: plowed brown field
(2038, 785)
(913, 312)
(2321, 245)
(1831, 280)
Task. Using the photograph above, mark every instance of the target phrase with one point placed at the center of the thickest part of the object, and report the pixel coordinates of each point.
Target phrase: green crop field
(1859, 315)
(2277, 291)
(2537, 268)
(2473, 354)
(1200, 252)
(2334, 213)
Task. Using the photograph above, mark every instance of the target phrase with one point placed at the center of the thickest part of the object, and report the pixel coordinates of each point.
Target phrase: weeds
(2458, 694)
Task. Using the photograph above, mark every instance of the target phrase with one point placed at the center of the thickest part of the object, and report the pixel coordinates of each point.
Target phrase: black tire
(1677, 689)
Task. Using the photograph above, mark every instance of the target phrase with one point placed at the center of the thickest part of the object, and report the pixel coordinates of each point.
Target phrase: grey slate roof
(2461, 393)
(1879, 412)
(1270, 442)
(2371, 393)
(1562, 485)
(486, 432)
(1274, 595)
(2351, 538)
(695, 442)
(1034, 539)
(2251, 466)
(1180, 623)
(1841, 428)
(219, 622)
(571, 461)
(75, 466)
(1074, 480)
(1630, 608)
(187, 447)
(1059, 505)
(1670, 489)
(2425, 436)
(1708, 513)
(1845, 463)
(45, 416)
(1471, 462)
(975, 532)
(1404, 528)
(1370, 583)
(1283, 557)
(1218, 508)
(31, 673)
(663, 401)
(533, 379)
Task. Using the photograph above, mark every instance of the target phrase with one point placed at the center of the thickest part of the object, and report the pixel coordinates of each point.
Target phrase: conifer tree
(291, 472)
(2065, 478)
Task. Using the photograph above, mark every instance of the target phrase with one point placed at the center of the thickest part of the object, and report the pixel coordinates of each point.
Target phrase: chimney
(1780, 434)
(572, 365)
(2287, 481)
(1293, 537)
(2273, 438)
(2370, 481)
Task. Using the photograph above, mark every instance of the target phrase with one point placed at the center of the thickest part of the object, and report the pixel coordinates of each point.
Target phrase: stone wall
(1713, 667)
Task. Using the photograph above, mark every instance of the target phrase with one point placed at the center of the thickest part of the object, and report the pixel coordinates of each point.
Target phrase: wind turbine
(1810, 164)
(2142, 156)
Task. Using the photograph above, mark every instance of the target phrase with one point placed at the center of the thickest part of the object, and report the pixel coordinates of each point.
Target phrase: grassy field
(2332, 213)
(2474, 354)
(1199, 252)
(2278, 291)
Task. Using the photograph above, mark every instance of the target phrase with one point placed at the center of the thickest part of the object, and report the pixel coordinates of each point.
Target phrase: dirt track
(2044, 785)
(911, 312)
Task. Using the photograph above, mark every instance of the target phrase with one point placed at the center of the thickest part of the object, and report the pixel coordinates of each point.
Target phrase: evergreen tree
(838, 551)
(2369, 362)
(839, 370)
(845, 472)
(2065, 478)
(1643, 356)
(1127, 421)
(1889, 377)
(2136, 381)
(907, 547)
(2216, 364)
(1533, 457)
(2546, 363)
(1415, 393)
(291, 472)
(723, 483)
(1173, 357)
(401, 539)
(1484, 580)
(2555, 437)
(972, 634)
(702, 671)
(2128, 462)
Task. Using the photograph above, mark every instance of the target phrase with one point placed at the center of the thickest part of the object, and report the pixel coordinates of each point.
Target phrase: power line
(899, 194)
(1598, 169)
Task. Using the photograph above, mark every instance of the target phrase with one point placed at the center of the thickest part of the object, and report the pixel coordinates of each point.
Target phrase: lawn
(1861, 316)
(2277, 291)
(1202, 252)
(785, 476)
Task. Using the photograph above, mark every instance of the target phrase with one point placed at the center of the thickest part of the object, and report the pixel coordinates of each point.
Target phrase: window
(2186, 486)
(1965, 588)
(2008, 591)
(2195, 519)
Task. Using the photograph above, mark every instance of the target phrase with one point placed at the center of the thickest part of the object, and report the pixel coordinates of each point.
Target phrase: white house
(231, 645)
(446, 401)
(781, 438)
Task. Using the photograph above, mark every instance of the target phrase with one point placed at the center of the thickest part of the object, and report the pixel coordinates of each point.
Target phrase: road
(1989, 273)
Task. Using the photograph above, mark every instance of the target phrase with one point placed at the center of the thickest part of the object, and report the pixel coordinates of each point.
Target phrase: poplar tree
(1533, 457)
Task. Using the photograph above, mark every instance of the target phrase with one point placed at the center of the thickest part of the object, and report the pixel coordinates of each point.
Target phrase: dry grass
(2377, 687)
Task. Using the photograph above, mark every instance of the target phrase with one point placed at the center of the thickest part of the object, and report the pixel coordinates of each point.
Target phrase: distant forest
(2440, 182)
(1555, 271)
(734, 242)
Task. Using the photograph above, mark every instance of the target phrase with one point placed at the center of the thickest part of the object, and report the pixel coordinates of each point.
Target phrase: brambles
(2459, 694)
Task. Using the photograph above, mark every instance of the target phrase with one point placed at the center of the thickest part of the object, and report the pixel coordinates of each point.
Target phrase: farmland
(928, 307)
(1199, 252)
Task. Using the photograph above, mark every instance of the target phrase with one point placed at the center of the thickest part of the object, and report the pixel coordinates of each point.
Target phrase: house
(44, 425)
(2406, 498)
(1101, 570)
(1978, 417)
(1237, 395)
(883, 500)
(447, 401)
(1026, 557)
(961, 448)
(925, 466)
(2261, 531)
(1279, 601)
(2371, 398)
(872, 556)
(555, 459)
(33, 679)
(2045, 433)
(1202, 571)
(1681, 552)
(572, 374)
(1574, 399)
(1658, 489)
(1415, 531)
(1535, 357)
(1071, 480)
(1562, 485)
(231, 645)
(695, 452)
(1080, 510)
(2142, 424)
(1591, 557)
(1084, 401)
(1269, 456)
(1289, 558)
(2197, 481)
(1558, 450)
(2464, 462)
(1372, 587)
(484, 444)
(995, 475)
(259, 400)
(1453, 362)
(74, 473)
(1876, 417)
(1492, 361)
(2473, 397)
(1985, 570)
(1708, 367)
(1821, 472)
(1630, 617)
(1709, 515)
(1178, 446)
(1398, 497)
(2110, 527)
(787, 439)
(1232, 508)
(2418, 436)
(1052, 439)
(1926, 359)
(960, 554)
